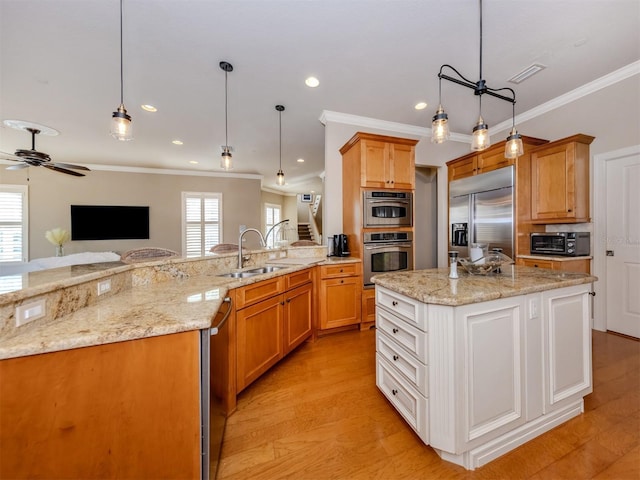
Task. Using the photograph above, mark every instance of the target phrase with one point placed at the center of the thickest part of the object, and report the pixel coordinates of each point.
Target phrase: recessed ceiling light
(420, 105)
(195, 162)
(149, 108)
(312, 82)
(177, 142)
(301, 160)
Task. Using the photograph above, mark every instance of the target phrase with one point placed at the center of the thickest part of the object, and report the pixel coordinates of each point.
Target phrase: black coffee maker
(341, 246)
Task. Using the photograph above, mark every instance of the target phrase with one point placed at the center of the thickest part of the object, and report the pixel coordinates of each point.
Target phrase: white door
(623, 245)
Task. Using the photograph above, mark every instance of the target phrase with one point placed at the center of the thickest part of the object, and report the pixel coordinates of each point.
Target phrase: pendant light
(480, 134)
(440, 121)
(280, 174)
(513, 148)
(480, 138)
(120, 121)
(225, 161)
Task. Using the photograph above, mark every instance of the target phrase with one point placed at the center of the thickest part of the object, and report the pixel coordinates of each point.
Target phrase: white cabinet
(401, 357)
(491, 375)
(567, 333)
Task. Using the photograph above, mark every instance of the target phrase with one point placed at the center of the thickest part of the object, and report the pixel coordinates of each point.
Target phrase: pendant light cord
(280, 117)
(226, 139)
(121, 62)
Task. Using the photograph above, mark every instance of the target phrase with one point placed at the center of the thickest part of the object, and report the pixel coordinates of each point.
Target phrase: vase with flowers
(58, 237)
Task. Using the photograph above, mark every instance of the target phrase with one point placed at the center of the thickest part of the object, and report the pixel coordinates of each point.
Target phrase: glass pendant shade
(480, 137)
(225, 160)
(121, 128)
(513, 148)
(280, 177)
(440, 126)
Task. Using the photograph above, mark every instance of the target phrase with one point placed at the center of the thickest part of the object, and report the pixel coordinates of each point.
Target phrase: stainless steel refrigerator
(481, 211)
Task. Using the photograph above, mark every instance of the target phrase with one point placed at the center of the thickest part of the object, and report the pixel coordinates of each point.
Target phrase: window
(271, 217)
(201, 222)
(13, 223)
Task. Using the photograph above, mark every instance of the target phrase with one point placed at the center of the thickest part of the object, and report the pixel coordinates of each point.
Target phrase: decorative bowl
(487, 265)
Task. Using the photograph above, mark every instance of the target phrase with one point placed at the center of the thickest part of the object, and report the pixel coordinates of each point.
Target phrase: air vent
(526, 73)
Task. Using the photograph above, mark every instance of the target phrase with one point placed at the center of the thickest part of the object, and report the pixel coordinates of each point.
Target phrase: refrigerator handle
(471, 238)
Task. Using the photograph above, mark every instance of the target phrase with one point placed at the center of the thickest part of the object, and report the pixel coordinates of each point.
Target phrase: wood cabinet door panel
(120, 410)
(552, 184)
(402, 166)
(463, 167)
(493, 160)
(259, 339)
(375, 161)
(340, 302)
(298, 316)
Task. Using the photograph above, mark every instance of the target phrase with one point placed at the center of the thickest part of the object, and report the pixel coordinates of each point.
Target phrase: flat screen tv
(109, 222)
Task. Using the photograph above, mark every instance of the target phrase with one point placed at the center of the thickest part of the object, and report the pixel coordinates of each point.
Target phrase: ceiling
(60, 67)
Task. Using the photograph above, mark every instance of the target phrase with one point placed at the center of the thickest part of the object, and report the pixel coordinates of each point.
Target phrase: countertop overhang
(435, 287)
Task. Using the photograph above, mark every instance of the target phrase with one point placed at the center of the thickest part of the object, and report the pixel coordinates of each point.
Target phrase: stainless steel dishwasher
(214, 358)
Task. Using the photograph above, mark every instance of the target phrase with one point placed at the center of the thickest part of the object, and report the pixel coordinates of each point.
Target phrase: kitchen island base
(478, 366)
(493, 449)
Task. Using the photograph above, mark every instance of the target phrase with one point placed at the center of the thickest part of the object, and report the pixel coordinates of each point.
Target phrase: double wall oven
(386, 252)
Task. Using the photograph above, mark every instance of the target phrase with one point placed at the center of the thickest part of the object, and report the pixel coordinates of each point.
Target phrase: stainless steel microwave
(387, 208)
(568, 244)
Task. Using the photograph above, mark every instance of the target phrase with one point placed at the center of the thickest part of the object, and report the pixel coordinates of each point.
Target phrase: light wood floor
(318, 415)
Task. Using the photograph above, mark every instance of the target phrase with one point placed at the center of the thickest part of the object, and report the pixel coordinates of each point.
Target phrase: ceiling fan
(34, 158)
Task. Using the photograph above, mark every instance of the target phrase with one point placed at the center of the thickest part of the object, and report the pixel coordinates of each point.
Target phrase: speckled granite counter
(149, 299)
(434, 286)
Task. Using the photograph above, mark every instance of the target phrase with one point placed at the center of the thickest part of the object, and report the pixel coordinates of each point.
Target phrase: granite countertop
(434, 286)
(186, 302)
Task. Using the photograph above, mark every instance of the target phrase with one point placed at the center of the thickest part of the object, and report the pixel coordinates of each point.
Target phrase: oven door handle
(387, 245)
(388, 201)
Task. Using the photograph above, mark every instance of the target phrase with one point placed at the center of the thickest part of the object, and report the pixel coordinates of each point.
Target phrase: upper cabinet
(560, 181)
(381, 161)
(487, 160)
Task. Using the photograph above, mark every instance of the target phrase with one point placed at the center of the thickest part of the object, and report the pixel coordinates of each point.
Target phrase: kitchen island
(482, 364)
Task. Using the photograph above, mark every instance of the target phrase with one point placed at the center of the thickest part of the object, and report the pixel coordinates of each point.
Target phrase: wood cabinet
(121, 410)
(580, 265)
(272, 318)
(560, 181)
(368, 308)
(383, 162)
(487, 160)
(339, 295)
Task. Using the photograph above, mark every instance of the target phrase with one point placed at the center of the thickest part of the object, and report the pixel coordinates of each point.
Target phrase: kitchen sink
(251, 273)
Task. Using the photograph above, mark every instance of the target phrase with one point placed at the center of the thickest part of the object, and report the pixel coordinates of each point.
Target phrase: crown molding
(167, 171)
(583, 91)
(575, 94)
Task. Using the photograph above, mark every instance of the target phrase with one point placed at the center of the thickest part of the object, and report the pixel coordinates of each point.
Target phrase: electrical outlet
(104, 286)
(29, 312)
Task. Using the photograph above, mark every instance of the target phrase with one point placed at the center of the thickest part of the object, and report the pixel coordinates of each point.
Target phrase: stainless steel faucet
(266, 237)
(241, 259)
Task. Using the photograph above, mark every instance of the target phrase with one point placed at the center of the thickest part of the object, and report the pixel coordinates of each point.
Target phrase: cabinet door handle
(395, 358)
(281, 303)
(394, 392)
(569, 210)
(395, 330)
(288, 300)
(394, 303)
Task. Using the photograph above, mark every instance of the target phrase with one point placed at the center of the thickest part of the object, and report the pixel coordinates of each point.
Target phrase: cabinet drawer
(412, 339)
(406, 400)
(258, 291)
(342, 270)
(412, 369)
(296, 279)
(529, 262)
(410, 310)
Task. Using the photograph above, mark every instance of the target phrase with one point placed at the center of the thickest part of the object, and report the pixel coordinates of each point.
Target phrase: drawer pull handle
(341, 281)
(395, 358)
(395, 330)
(341, 270)
(394, 392)
(394, 303)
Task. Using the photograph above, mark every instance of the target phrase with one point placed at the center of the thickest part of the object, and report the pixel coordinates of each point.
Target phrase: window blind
(13, 223)
(202, 221)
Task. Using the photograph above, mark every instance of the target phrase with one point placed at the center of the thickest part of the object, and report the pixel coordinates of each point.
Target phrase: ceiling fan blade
(70, 165)
(62, 170)
(10, 156)
(19, 166)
